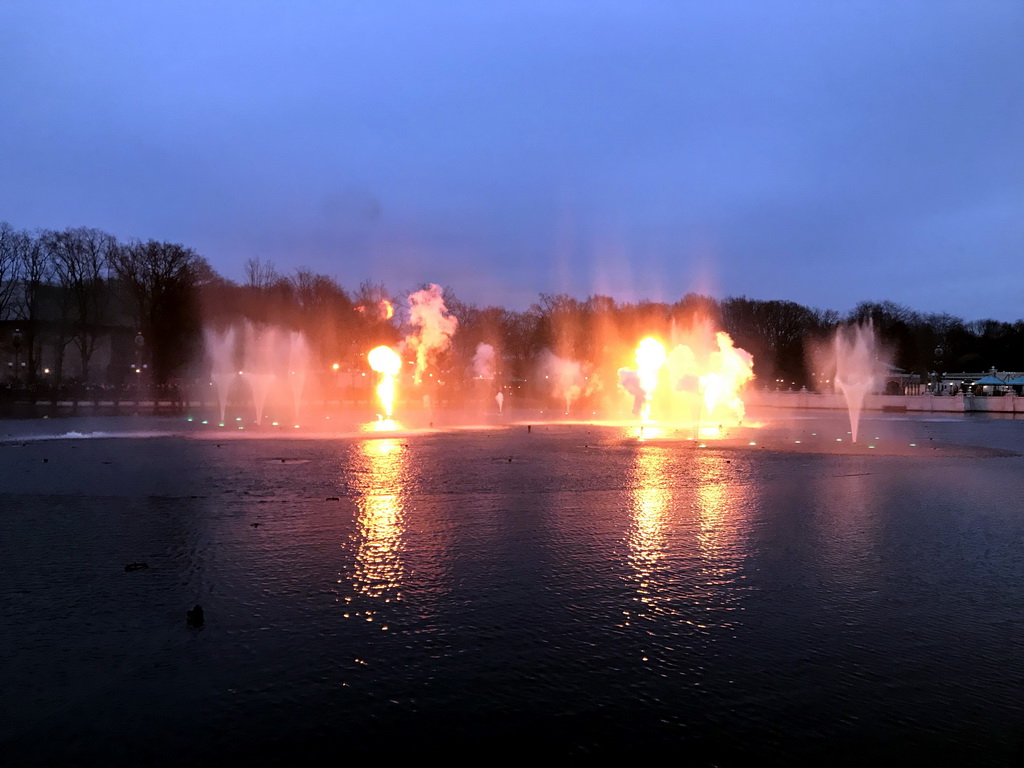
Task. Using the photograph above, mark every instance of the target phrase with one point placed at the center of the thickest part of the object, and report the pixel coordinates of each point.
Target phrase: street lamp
(16, 339)
(140, 342)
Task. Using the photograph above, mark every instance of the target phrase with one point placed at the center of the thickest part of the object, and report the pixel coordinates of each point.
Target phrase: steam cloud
(569, 379)
(434, 327)
(484, 361)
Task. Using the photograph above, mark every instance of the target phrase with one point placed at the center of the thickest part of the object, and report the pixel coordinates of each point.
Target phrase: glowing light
(651, 490)
(731, 368)
(650, 356)
(380, 531)
(387, 363)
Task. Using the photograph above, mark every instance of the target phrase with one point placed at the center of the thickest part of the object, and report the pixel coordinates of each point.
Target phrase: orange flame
(387, 363)
(731, 368)
(650, 356)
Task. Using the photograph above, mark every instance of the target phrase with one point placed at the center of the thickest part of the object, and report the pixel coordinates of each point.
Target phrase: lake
(770, 594)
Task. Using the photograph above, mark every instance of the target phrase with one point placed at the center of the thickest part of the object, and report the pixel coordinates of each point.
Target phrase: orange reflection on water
(652, 499)
(685, 543)
(720, 506)
(380, 480)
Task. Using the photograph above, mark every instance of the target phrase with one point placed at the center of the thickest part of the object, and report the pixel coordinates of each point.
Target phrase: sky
(820, 152)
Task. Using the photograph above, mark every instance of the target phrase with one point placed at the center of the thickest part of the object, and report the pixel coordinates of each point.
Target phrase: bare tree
(260, 275)
(80, 258)
(34, 273)
(9, 267)
(164, 279)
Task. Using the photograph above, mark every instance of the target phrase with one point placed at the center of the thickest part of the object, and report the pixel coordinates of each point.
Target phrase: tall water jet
(220, 348)
(298, 364)
(268, 355)
(260, 353)
(858, 370)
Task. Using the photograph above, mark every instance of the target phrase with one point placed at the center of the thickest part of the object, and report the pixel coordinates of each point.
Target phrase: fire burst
(387, 363)
(650, 356)
(731, 368)
(709, 378)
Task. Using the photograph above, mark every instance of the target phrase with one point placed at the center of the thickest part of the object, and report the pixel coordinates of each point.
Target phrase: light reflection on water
(380, 479)
(537, 587)
(720, 504)
(685, 546)
(650, 508)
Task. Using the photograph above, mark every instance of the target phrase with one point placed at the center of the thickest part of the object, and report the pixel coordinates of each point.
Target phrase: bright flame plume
(387, 363)
(650, 356)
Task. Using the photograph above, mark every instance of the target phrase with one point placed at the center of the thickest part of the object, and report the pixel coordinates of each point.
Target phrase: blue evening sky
(823, 152)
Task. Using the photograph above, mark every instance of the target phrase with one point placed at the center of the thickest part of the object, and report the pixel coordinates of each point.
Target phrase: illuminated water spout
(857, 368)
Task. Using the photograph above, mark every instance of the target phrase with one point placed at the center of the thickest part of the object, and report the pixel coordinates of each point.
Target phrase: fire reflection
(685, 540)
(652, 500)
(720, 504)
(716, 533)
(380, 480)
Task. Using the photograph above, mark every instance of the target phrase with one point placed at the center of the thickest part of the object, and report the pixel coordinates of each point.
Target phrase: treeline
(74, 292)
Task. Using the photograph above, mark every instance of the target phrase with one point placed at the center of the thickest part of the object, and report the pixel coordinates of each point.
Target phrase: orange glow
(386, 309)
(387, 363)
(379, 568)
(650, 356)
(709, 376)
(651, 491)
(731, 368)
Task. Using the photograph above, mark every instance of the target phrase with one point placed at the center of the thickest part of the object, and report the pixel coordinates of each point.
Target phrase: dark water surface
(491, 592)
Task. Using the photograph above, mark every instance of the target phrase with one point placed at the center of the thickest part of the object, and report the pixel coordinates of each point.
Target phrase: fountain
(857, 368)
(220, 348)
(275, 362)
